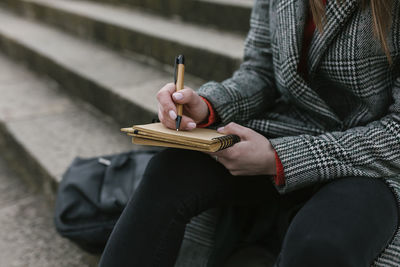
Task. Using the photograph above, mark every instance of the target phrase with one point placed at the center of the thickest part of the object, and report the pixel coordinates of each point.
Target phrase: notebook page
(196, 134)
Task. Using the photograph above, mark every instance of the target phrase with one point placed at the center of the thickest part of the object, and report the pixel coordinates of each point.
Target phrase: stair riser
(118, 107)
(122, 39)
(25, 165)
(223, 16)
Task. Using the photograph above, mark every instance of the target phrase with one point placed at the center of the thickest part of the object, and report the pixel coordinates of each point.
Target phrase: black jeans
(347, 222)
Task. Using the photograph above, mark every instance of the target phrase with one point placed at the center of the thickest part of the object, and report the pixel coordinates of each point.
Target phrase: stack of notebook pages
(156, 134)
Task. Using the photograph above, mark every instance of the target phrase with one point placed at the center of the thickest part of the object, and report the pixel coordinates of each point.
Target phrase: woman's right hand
(195, 110)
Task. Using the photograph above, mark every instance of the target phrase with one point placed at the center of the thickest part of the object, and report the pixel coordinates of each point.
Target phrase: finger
(164, 98)
(167, 123)
(170, 87)
(171, 114)
(169, 120)
(185, 96)
(216, 156)
(220, 154)
(168, 115)
(165, 120)
(227, 164)
(187, 123)
(228, 153)
(212, 155)
(160, 115)
(236, 172)
(234, 128)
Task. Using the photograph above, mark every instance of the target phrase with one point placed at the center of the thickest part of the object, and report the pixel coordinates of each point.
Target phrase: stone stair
(144, 33)
(27, 235)
(68, 67)
(42, 130)
(230, 15)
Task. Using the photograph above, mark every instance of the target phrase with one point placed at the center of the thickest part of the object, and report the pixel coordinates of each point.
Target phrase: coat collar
(291, 16)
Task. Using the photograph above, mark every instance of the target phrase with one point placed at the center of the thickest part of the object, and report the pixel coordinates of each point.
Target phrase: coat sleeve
(251, 88)
(372, 150)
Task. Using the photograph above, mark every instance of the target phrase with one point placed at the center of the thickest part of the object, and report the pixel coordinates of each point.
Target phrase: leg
(347, 223)
(177, 185)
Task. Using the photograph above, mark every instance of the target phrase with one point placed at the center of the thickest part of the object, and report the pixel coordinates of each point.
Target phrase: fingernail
(220, 129)
(177, 96)
(172, 114)
(191, 125)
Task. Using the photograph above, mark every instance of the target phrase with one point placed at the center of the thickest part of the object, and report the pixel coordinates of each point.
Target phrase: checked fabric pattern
(345, 121)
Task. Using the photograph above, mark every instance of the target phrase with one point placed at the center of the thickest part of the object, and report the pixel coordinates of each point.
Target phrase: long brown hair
(381, 15)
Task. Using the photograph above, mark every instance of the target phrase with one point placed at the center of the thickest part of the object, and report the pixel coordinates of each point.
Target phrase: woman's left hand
(253, 155)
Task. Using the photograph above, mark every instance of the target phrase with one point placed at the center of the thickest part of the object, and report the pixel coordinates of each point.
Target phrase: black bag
(93, 193)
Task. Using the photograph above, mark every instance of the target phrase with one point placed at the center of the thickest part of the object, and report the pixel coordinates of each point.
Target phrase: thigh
(181, 174)
(348, 222)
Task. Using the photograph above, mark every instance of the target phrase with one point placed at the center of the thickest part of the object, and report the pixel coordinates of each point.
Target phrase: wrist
(271, 166)
(205, 111)
(211, 116)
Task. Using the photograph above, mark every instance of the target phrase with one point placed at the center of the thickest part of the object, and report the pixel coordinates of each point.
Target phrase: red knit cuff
(211, 118)
(279, 178)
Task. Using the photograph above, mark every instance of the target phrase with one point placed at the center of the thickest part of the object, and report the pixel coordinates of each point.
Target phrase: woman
(318, 113)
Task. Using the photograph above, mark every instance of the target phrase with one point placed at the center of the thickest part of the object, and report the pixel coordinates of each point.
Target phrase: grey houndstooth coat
(344, 122)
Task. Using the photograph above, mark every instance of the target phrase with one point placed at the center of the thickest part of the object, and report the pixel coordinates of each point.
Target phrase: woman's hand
(195, 110)
(253, 155)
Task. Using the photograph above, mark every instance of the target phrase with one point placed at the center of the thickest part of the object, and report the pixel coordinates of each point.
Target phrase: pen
(178, 76)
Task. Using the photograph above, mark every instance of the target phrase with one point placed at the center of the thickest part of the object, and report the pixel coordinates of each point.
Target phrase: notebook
(201, 139)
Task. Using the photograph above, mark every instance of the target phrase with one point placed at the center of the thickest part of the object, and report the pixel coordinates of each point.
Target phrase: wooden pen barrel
(179, 85)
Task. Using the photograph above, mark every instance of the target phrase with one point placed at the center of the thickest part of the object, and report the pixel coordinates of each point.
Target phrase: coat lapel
(337, 14)
(291, 16)
(291, 20)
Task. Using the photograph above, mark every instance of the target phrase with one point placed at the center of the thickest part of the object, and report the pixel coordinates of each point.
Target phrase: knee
(312, 250)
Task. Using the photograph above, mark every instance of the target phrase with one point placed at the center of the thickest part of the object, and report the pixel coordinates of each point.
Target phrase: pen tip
(178, 122)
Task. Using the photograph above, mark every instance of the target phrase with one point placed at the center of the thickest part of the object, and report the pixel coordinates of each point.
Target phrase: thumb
(234, 128)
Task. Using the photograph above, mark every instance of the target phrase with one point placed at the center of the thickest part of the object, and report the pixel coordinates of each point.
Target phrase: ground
(27, 233)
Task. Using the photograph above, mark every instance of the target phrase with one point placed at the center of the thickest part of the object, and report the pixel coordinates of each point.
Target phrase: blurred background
(72, 73)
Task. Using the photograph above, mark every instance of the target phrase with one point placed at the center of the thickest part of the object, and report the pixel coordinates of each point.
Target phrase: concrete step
(27, 234)
(42, 130)
(210, 54)
(121, 87)
(231, 15)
